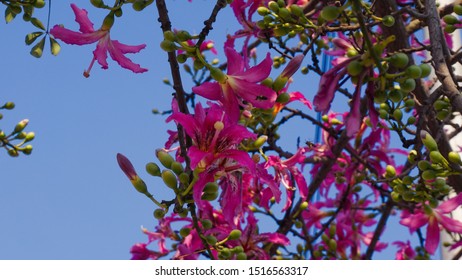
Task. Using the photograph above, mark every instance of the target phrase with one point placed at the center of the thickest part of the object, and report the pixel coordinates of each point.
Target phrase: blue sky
(69, 199)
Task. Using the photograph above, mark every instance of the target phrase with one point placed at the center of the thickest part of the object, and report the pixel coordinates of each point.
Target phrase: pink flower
(88, 35)
(240, 85)
(405, 251)
(433, 218)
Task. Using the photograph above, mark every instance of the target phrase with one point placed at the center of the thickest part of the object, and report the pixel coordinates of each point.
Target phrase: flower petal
(76, 38)
(258, 95)
(259, 72)
(123, 48)
(81, 17)
(118, 56)
(209, 90)
(450, 204)
(235, 61)
(433, 236)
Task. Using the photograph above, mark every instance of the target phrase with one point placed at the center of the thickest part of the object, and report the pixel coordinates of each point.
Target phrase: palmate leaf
(31, 37)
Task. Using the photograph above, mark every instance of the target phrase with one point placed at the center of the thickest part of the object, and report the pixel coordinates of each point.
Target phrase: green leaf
(31, 37)
(37, 50)
(37, 23)
(9, 15)
(54, 46)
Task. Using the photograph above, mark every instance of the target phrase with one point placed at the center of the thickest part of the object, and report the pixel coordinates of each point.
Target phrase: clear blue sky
(69, 199)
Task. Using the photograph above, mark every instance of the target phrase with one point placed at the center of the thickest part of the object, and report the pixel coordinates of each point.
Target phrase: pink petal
(353, 120)
(100, 53)
(118, 56)
(450, 204)
(414, 221)
(433, 236)
(209, 90)
(300, 97)
(235, 61)
(127, 48)
(259, 72)
(258, 95)
(76, 38)
(293, 65)
(81, 17)
(449, 223)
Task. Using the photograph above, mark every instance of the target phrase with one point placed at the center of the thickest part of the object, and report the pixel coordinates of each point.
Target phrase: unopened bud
(177, 167)
(390, 171)
(159, 214)
(235, 234)
(165, 158)
(207, 224)
(436, 157)
(20, 126)
(211, 187)
(169, 179)
(428, 141)
(153, 169)
(428, 175)
(260, 141)
(454, 157)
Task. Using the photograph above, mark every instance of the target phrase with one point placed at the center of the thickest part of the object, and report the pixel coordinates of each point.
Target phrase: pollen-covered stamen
(219, 126)
(86, 73)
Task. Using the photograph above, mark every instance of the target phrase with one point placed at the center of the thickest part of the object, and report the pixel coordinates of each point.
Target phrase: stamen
(86, 73)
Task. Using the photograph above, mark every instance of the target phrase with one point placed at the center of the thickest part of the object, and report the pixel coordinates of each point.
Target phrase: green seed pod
(413, 72)
(428, 141)
(399, 60)
(424, 165)
(235, 234)
(428, 175)
(206, 224)
(159, 213)
(170, 179)
(165, 158)
(211, 187)
(454, 157)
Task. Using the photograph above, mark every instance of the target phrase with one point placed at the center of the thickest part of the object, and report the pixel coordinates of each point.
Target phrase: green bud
(20, 126)
(390, 171)
(428, 141)
(37, 50)
(97, 3)
(304, 205)
(409, 103)
(388, 20)
(184, 178)
(159, 213)
(241, 256)
(30, 136)
(39, 4)
(411, 120)
(225, 253)
(183, 35)
(260, 141)
(442, 115)
(209, 196)
(206, 224)
(332, 245)
(355, 68)
(413, 72)
(181, 58)
(211, 240)
(198, 65)
(169, 35)
(458, 9)
(426, 70)
(407, 180)
(168, 45)
(395, 196)
(440, 105)
(428, 175)
(165, 158)
(424, 165)
(399, 60)
(449, 28)
(27, 150)
(169, 179)
(139, 185)
(332, 230)
(450, 19)
(185, 232)
(436, 157)
(273, 6)
(439, 183)
(211, 187)
(408, 85)
(235, 234)
(153, 169)
(263, 11)
(8, 106)
(283, 98)
(296, 10)
(330, 13)
(398, 114)
(13, 152)
(454, 157)
(177, 167)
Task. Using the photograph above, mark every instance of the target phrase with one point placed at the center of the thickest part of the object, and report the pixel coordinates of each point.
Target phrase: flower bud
(8, 106)
(211, 240)
(165, 158)
(207, 224)
(436, 157)
(183, 35)
(159, 213)
(211, 187)
(454, 157)
(20, 126)
(424, 165)
(332, 245)
(218, 75)
(296, 10)
(241, 256)
(139, 185)
(108, 22)
(168, 45)
(428, 175)
(330, 13)
(177, 167)
(390, 171)
(450, 19)
(153, 169)
(209, 196)
(235, 234)
(273, 6)
(184, 178)
(428, 141)
(97, 3)
(185, 232)
(27, 150)
(169, 179)
(263, 11)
